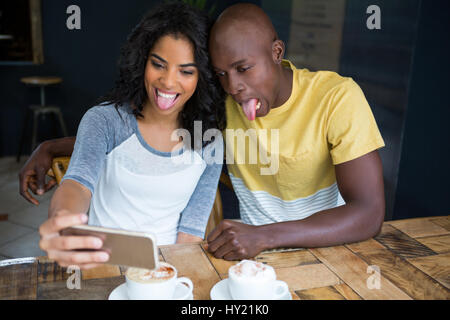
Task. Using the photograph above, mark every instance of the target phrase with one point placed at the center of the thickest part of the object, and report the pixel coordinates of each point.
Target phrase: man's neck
(285, 86)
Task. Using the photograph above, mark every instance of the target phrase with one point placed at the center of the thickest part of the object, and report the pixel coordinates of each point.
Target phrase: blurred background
(400, 61)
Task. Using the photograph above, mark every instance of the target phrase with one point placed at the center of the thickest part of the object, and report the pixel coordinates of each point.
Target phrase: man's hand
(32, 175)
(232, 240)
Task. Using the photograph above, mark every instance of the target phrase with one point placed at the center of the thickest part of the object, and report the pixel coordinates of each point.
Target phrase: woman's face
(171, 74)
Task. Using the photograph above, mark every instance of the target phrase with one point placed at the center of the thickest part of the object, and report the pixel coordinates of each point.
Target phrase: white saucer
(220, 292)
(120, 292)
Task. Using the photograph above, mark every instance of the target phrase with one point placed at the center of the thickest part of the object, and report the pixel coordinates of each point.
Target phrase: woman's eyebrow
(192, 64)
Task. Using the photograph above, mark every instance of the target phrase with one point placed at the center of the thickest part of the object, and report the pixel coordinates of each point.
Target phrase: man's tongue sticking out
(249, 108)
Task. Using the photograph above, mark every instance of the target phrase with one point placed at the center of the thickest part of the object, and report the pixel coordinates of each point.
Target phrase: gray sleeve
(195, 216)
(90, 149)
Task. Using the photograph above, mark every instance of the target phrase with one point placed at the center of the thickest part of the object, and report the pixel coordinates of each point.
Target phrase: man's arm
(360, 182)
(32, 175)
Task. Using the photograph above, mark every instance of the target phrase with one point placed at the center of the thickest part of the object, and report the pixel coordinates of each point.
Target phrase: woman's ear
(278, 51)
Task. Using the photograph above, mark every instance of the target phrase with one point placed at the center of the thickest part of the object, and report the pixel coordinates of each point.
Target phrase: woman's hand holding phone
(64, 249)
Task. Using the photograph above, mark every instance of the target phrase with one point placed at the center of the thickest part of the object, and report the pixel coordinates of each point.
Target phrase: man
(328, 186)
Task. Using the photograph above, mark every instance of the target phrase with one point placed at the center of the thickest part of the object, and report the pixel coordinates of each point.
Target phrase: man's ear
(278, 51)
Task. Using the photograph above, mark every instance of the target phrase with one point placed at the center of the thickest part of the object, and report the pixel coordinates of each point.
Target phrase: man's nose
(234, 86)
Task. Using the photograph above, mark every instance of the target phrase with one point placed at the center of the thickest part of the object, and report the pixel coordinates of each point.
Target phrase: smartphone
(125, 248)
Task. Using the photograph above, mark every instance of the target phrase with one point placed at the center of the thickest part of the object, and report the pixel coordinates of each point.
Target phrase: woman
(127, 169)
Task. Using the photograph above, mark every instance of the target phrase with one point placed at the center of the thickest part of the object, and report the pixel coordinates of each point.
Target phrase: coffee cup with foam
(251, 280)
(158, 284)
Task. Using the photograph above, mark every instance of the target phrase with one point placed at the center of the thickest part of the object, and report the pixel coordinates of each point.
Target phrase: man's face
(246, 70)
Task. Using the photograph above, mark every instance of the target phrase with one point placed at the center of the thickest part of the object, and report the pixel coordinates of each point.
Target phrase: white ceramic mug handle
(284, 289)
(190, 286)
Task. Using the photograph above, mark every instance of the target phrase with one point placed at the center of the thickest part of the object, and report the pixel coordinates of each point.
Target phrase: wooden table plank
(93, 289)
(368, 245)
(324, 293)
(354, 272)
(50, 271)
(307, 276)
(18, 279)
(404, 275)
(421, 227)
(287, 259)
(220, 265)
(439, 244)
(443, 222)
(347, 292)
(191, 262)
(104, 271)
(438, 267)
(402, 244)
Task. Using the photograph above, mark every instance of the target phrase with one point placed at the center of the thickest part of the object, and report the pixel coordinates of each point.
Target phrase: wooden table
(412, 256)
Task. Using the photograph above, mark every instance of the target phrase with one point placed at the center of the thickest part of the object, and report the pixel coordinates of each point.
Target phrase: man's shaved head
(247, 54)
(245, 18)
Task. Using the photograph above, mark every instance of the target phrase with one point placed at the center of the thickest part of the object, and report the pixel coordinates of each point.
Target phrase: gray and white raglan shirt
(135, 187)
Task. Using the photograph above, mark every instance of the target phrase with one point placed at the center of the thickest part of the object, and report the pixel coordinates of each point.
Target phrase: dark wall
(86, 60)
(423, 182)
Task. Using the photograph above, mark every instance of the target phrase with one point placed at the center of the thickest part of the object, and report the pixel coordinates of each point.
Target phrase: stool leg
(24, 132)
(35, 125)
(61, 123)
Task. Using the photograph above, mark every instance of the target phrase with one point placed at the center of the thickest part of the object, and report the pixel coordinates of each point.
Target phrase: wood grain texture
(421, 227)
(439, 244)
(443, 222)
(220, 265)
(325, 293)
(307, 276)
(368, 245)
(19, 281)
(354, 272)
(402, 244)
(93, 289)
(50, 271)
(104, 271)
(347, 292)
(287, 259)
(404, 275)
(437, 267)
(191, 262)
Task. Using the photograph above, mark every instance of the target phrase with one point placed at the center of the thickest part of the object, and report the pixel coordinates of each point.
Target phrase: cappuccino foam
(163, 273)
(253, 269)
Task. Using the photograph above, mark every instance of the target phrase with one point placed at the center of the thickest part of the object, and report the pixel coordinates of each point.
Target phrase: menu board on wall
(316, 34)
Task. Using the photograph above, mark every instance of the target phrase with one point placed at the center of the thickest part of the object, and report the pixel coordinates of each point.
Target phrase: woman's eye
(157, 65)
(187, 72)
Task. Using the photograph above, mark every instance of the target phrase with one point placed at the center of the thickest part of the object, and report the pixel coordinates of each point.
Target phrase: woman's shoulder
(110, 112)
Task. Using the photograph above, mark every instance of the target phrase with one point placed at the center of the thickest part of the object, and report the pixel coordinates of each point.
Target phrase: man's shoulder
(323, 80)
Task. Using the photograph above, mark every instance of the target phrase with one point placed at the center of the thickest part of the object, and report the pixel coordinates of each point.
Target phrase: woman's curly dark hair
(177, 19)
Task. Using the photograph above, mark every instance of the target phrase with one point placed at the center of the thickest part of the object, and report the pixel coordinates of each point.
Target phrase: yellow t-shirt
(285, 169)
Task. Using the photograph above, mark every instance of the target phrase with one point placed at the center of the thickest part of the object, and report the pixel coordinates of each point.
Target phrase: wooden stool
(37, 110)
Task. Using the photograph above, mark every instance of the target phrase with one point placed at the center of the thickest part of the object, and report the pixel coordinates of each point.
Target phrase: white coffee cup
(251, 280)
(159, 284)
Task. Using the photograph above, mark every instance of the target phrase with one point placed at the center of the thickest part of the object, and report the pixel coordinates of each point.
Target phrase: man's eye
(243, 69)
(220, 73)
